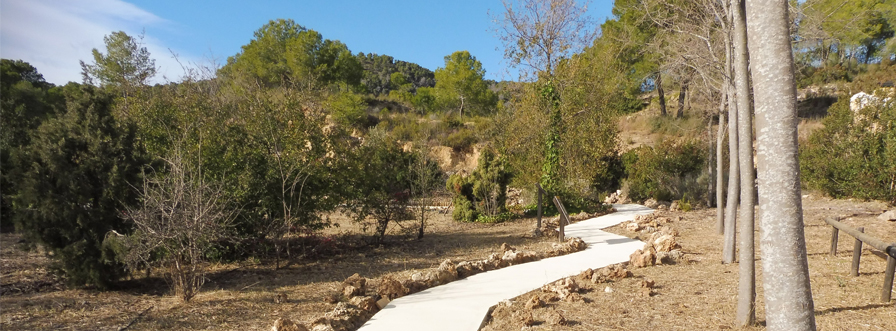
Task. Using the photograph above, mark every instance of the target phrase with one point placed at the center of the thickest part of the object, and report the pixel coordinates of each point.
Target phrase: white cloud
(54, 35)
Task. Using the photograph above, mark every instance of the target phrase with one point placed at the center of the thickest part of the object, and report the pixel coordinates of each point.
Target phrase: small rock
(608, 289)
(586, 275)
(391, 288)
(281, 298)
(285, 324)
(647, 283)
(574, 297)
(505, 247)
(349, 291)
(366, 303)
(464, 269)
(555, 318)
(647, 292)
(643, 258)
(665, 243)
(651, 203)
(633, 227)
(382, 302)
(534, 302)
(888, 216)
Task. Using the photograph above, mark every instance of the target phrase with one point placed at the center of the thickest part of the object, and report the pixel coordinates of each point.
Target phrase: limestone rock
(346, 317)
(651, 203)
(563, 287)
(517, 257)
(647, 283)
(354, 285)
(285, 324)
(505, 247)
(555, 318)
(633, 226)
(382, 302)
(534, 302)
(365, 303)
(391, 288)
(643, 258)
(465, 269)
(415, 286)
(586, 275)
(665, 243)
(888, 216)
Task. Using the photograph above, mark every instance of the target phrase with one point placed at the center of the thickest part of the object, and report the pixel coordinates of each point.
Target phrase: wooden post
(888, 279)
(563, 219)
(856, 254)
(835, 235)
(538, 191)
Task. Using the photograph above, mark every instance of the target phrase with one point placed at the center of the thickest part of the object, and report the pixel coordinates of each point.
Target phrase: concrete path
(463, 304)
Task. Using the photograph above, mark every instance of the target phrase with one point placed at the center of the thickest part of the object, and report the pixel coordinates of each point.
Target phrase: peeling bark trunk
(746, 295)
(785, 269)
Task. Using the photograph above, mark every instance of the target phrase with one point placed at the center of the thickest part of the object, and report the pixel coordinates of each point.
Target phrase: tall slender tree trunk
(728, 248)
(746, 294)
(785, 269)
(720, 177)
(660, 93)
(682, 95)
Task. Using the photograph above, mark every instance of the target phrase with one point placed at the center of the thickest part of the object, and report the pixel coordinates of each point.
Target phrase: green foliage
(349, 109)
(79, 178)
(284, 52)
(125, 65)
(562, 133)
(665, 172)
(460, 85)
(853, 154)
(379, 69)
(379, 182)
(482, 194)
(462, 139)
(26, 100)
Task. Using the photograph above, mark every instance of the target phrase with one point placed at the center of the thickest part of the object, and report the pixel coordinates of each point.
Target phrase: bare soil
(240, 296)
(700, 293)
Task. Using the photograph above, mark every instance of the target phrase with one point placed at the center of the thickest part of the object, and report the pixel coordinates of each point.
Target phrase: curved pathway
(463, 304)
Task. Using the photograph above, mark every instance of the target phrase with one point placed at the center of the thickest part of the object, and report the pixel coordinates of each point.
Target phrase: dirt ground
(700, 293)
(239, 296)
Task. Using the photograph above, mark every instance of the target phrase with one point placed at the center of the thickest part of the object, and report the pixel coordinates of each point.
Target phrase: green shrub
(483, 193)
(666, 172)
(460, 140)
(349, 109)
(853, 156)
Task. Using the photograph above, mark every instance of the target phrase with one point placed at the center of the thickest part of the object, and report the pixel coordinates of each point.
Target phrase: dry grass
(240, 296)
(700, 294)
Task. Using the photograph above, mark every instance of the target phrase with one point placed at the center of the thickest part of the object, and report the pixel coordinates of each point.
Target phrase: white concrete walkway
(463, 304)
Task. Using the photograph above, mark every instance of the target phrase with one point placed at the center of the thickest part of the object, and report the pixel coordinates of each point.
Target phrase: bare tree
(746, 285)
(180, 217)
(788, 295)
(539, 33)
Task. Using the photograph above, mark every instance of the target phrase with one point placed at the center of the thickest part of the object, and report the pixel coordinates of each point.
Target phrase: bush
(81, 170)
(462, 139)
(484, 192)
(666, 172)
(349, 109)
(853, 156)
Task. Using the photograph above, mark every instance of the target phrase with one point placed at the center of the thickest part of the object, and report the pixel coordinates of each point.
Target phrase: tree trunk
(660, 93)
(728, 248)
(785, 269)
(746, 296)
(682, 95)
(720, 177)
(709, 163)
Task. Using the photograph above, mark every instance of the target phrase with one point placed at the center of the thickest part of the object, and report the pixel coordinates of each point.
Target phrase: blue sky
(54, 34)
